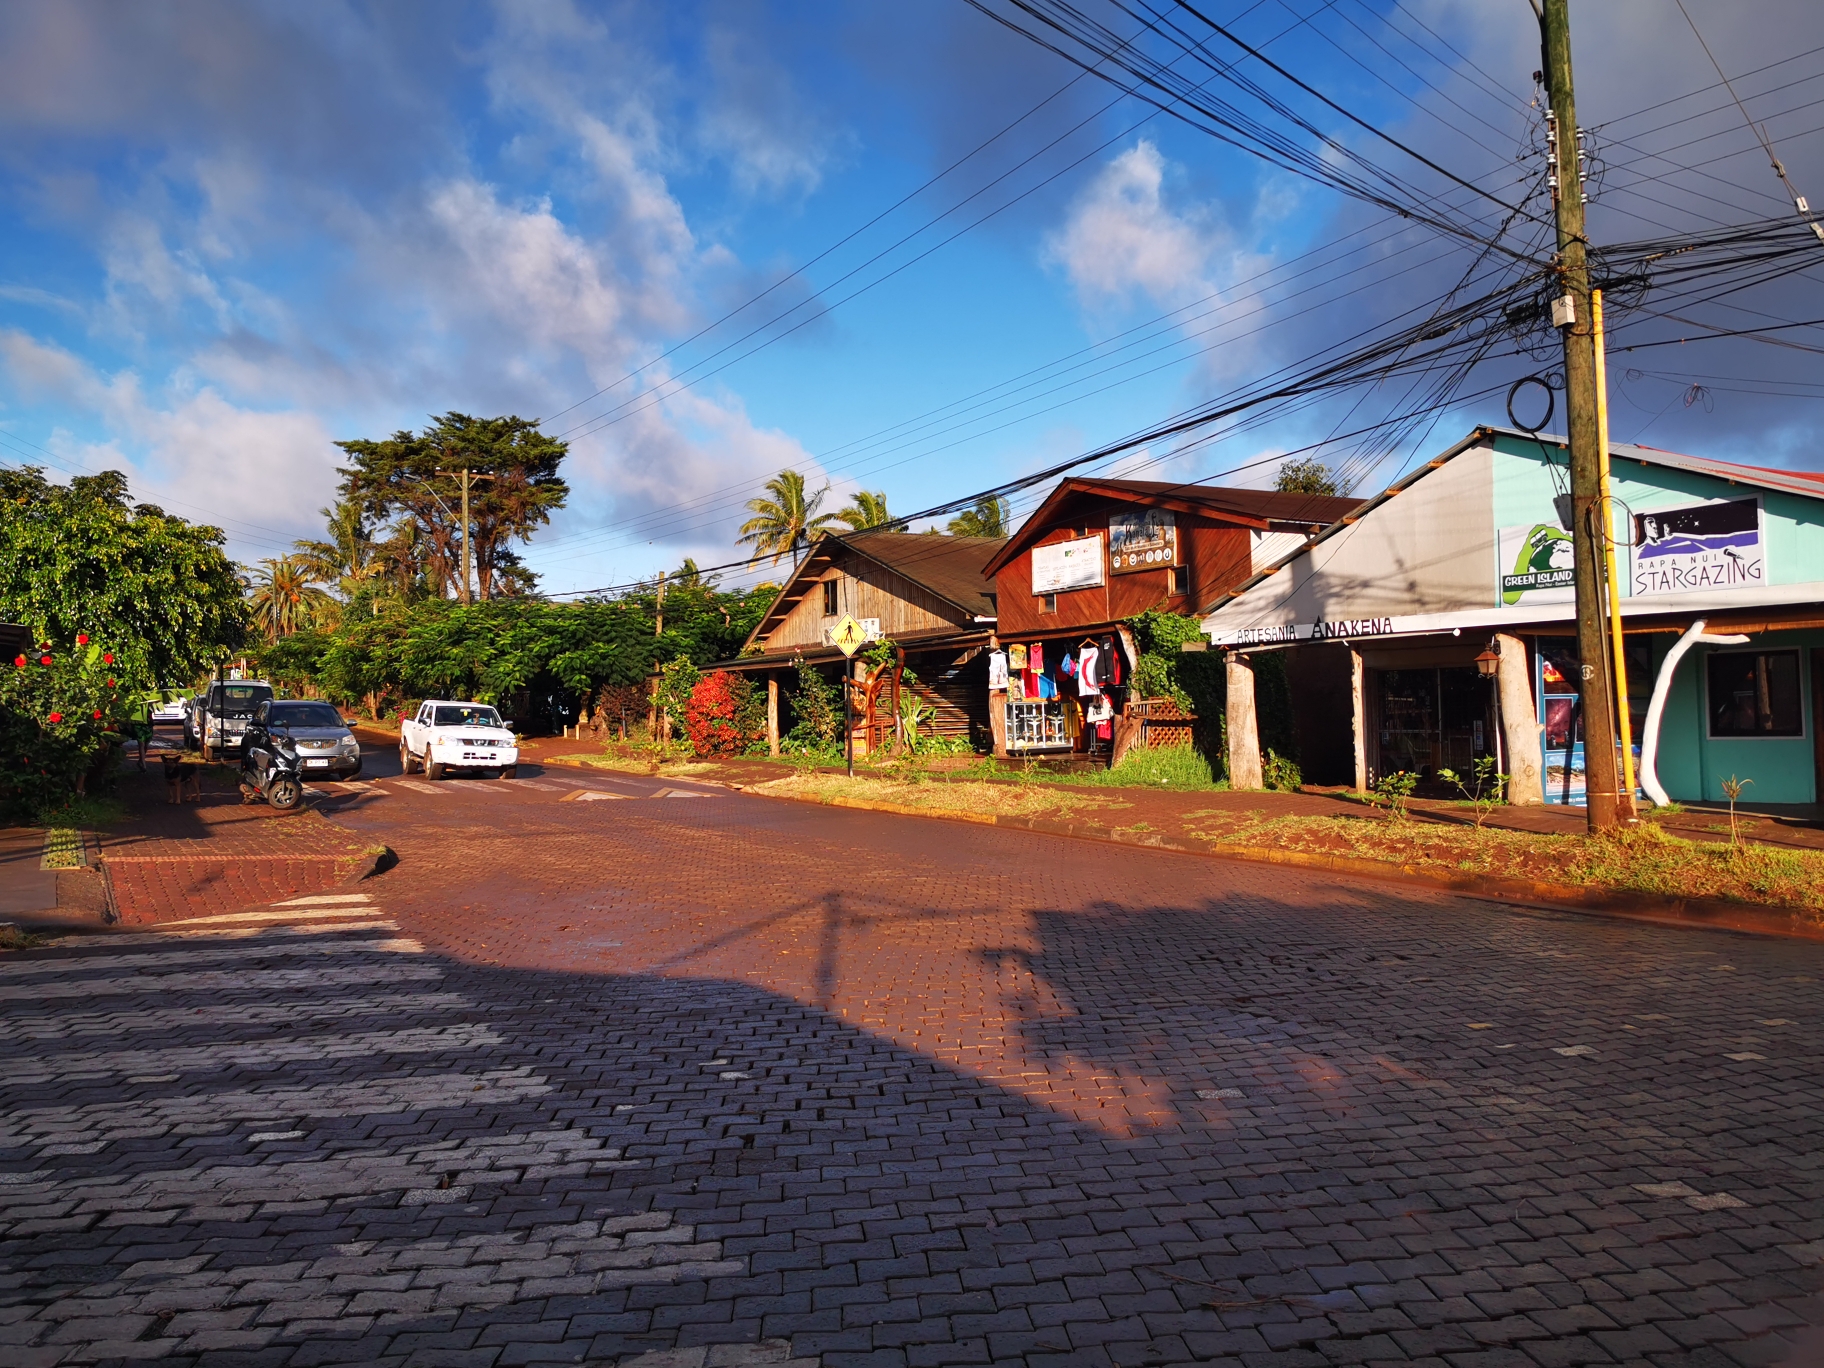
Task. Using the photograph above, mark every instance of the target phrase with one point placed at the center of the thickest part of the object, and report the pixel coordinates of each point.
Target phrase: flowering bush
(713, 717)
(62, 714)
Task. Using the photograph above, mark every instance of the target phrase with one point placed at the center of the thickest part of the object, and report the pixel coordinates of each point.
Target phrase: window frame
(832, 596)
(1181, 580)
(1048, 604)
(1710, 732)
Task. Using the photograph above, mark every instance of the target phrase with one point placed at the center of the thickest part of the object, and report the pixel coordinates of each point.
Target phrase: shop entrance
(1432, 719)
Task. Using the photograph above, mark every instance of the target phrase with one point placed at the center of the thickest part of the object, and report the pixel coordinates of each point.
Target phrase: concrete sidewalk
(24, 887)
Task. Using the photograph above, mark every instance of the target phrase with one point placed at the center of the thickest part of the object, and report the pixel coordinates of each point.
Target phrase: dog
(183, 780)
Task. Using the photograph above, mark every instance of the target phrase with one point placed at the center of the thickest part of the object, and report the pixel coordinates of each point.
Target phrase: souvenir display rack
(1036, 724)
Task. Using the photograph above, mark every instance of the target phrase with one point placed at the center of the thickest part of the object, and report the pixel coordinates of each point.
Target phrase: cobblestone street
(615, 1070)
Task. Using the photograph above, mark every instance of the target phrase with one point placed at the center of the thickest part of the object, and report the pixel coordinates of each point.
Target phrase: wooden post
(1519, 724)
(772, 715)
(1358, 712)
(1243, 726)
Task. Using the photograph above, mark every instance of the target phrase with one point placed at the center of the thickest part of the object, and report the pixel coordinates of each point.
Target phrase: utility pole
(468, 558)
(1572, 314)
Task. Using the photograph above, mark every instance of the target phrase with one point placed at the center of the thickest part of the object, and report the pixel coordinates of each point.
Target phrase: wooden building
(924, 591)
(1097, 552)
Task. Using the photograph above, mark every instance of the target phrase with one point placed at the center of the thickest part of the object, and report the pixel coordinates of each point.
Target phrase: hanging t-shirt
(1067, 666)
(1016, 657)
(1035, 657)
(1016, 687)
(1047, 688)
(1089, 668)
(1111, 664)
(997, 669)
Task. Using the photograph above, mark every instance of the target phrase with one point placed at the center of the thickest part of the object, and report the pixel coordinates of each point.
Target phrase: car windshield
(465, 715)
(304, 715)
(243, 698)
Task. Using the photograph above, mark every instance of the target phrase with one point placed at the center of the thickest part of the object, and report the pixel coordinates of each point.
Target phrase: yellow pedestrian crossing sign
(848, 636)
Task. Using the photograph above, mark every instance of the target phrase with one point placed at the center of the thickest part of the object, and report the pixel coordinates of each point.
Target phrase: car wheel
(433, 770)
(510, 772)
(285, 794)
(406, 764)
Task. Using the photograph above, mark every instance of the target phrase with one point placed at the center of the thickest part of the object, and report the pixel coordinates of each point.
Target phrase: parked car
(444, 735)
(170, 708)
(217, 717)
(325, 746)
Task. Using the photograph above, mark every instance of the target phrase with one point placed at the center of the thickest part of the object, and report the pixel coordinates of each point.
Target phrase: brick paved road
(706, 1079)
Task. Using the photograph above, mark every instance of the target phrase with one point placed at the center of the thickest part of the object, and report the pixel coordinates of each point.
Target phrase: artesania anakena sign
(1343, 629)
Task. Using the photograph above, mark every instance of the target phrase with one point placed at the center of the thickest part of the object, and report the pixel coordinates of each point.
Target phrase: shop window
(831, 605)
(1755, 693)
(1048, 604)
(1181, 579)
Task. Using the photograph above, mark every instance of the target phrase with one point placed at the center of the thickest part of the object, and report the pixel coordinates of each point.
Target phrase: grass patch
(63, 849)
(1644, 860)
(87, 813)
(644, 764)
(12, 938)
(962, 796)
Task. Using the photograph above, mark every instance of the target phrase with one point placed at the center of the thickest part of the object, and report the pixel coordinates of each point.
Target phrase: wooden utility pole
(468, 558)
(1572, 314)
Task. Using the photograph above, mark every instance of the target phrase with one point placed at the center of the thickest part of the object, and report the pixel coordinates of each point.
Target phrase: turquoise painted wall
(1793, 525)
(1693, 764)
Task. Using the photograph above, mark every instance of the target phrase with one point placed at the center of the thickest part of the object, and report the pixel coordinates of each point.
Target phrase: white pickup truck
(443, 736)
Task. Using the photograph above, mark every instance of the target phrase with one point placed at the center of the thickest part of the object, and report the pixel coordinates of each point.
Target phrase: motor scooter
(271, 769)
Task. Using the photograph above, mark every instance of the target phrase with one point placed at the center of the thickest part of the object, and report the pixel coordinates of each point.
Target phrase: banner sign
(1067, 565)
(1341, 629)
(1533, 565)
(1144, 539)
(1709, 546)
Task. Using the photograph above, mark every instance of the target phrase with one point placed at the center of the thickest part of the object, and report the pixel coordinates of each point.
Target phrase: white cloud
(1121, 236)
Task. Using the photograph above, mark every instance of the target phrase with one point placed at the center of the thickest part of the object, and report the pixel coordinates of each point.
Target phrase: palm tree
(989, 518)
(349, 558)
(786, 523)
(867, 510)
(284, 599)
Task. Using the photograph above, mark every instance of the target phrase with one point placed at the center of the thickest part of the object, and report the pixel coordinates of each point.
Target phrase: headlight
(349, 746)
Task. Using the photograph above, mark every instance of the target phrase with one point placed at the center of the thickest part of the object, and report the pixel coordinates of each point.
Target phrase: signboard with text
(1144, 539)
(1702, 547)
(1067, 565)
(1533, 565)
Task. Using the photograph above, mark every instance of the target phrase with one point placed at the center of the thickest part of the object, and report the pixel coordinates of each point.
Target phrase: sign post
(848, 636)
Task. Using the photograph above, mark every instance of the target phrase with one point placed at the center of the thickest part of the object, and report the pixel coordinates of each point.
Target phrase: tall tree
(865, 511)
(415, 478)
(786, 523)
(282, 598)
(989, 518)
(1306, 475)
(82, 559)
(348, 558)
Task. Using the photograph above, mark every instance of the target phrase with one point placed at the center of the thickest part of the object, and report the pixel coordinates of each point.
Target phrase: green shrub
(1279, 773)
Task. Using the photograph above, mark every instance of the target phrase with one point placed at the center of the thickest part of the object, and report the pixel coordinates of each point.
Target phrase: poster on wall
(1708, 546)
(1144, 539)
(1533, 565)
(1067, 565)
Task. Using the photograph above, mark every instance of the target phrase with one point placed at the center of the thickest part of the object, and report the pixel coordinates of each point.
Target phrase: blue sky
(235, 233)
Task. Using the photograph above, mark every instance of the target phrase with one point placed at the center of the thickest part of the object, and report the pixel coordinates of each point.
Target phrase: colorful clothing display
(997, 669)
(1016, 657)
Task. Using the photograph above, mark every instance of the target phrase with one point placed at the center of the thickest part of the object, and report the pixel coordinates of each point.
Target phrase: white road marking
(256, 1054)
(326, 899)
(272, 941)
(219, 981)
(278, 914)
(1744, 1056)
(1666, 1189)
(1574, 1051)
(421, 786)
(1213, 1094)
(593, 796)
(123, 1023)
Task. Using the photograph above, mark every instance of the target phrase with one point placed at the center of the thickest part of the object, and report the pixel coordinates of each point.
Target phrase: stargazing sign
(1706, 546)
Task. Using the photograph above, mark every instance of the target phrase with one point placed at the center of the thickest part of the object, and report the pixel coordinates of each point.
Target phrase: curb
(1713, 914)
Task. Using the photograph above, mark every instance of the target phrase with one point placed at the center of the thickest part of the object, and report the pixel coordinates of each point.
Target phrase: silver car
(327, 749)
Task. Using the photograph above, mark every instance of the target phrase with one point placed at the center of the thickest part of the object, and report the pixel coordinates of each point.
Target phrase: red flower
(111, 684)
(20, 662)
(81, 639)
(107, 658)
(44, 660)
(98, 714)
(56, 717)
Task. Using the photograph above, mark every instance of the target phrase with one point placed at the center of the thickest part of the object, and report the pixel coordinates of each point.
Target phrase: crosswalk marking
(274, 915)
(679, 793)
(592, 796)
(325, 899)
(420, 786)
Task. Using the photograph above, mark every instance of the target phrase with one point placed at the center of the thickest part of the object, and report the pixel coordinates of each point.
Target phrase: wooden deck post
(772, 715)
(1519, 724)
(1243, 726)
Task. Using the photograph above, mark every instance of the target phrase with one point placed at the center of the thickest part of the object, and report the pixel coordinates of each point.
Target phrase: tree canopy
(412, 479)
(787, 522)
(989, 518)
(82, 559)
(1305, 475)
